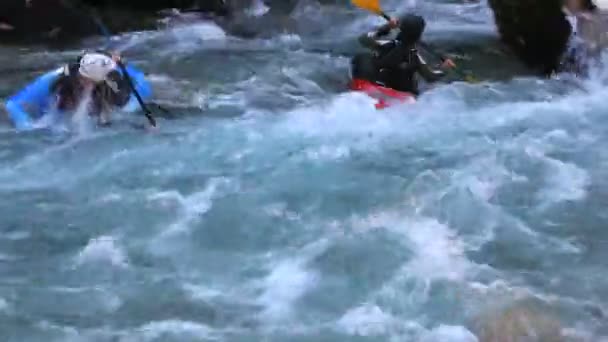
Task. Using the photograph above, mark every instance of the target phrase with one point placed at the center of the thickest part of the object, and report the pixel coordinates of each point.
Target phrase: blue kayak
(35, 100)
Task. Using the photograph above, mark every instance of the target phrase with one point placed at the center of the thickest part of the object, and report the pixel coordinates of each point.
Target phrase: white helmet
(96, 66)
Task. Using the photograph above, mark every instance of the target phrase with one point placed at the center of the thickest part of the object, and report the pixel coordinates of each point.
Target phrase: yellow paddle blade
(370, 5)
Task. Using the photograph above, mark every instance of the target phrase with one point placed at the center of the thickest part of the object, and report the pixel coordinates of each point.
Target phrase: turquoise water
(273, 206)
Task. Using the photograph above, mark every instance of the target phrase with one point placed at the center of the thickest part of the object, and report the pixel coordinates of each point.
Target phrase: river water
(272, 205)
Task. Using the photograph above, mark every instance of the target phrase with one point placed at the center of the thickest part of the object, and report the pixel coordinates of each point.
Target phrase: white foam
(110, 197)
(287, 282)
(103, 249)
(346, 114)
(449, 333)
(438, 253)
(110, 301)
(200, 31)
(176, 329)
(200, 293)
(289, 38)
(565, 181)
(257, 8)
(81, 120)
(602, 4)
(367, 320)
(328, 152)
(16, 236)
(190, 207)
(280, 210)
(183, 37)
(4, 305)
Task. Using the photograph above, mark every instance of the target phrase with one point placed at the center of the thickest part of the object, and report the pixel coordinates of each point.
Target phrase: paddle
(371, 6)
(374, 7)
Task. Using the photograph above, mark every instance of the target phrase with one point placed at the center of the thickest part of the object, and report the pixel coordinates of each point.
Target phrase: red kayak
(386, 96)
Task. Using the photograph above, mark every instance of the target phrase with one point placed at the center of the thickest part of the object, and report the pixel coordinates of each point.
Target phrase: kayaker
(395, 63)
(94, 77)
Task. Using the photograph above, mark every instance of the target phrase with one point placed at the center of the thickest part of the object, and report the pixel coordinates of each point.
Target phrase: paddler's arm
(18, 116)
(370, 39)
(427, 72)
(120, 90)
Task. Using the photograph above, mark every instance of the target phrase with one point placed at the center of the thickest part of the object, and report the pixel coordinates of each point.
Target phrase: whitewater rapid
(275, 205)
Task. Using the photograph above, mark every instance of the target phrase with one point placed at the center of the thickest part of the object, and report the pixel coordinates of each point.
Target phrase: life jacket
(402, 75)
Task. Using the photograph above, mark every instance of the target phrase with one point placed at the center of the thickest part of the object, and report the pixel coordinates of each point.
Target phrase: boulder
(63, 21)
(537, 31)
(35, 21)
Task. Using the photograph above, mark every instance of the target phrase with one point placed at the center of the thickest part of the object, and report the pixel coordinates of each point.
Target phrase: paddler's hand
(393, 23)
(116, 57)
(448, 64)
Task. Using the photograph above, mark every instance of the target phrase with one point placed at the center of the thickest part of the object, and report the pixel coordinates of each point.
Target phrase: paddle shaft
(142, 104)
(385, 16)
(106, 33)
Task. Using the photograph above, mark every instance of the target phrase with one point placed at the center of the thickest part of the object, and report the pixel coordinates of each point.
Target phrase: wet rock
(35, 21)
(519, 322)
(63, 21)
(536, 30)
(539, 32)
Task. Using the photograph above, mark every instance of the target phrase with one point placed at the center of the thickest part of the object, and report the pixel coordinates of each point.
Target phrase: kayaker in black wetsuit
(395, 63)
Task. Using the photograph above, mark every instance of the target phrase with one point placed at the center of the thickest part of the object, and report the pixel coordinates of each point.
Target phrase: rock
(539, 32)
(518, 322)
(63, 21)
(36, 21)
(536, 30)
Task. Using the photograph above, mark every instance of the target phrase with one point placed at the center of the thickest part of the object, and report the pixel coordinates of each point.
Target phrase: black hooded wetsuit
(395, 63)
